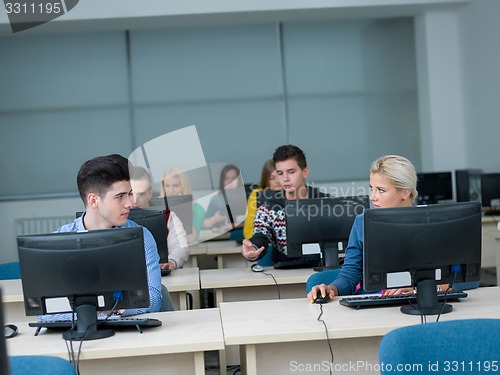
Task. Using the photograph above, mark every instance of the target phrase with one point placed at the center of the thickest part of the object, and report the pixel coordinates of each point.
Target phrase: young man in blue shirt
(104, 186)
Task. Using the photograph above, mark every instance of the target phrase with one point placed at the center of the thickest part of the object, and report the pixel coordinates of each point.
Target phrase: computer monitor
(321, 226)
(154, 219)
(490, 191)
(468, 184)
(182, 205)
(421, 247)
(98, 270)
(434, 187)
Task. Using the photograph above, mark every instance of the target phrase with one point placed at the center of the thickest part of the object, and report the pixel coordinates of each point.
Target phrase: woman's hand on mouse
(325, 290)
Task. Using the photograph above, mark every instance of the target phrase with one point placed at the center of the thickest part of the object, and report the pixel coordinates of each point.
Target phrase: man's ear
(305, 172)
(92, 200)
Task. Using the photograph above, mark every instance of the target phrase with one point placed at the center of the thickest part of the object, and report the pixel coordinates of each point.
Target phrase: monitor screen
(421, 247)
(155, 221)
(490, 190)
(182, 205)
(321, 226)
(434, 187)
(468, 184)
(84, 272)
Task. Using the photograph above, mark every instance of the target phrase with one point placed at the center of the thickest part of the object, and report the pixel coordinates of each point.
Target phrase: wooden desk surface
(223, 247)
(181, 332)
(297, 318)
(245, 277)
(182, 279)
(197, 249)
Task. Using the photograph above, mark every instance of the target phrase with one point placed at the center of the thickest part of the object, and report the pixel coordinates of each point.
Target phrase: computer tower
(468, 185)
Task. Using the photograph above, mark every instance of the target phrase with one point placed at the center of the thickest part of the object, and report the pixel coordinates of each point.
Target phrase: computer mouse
(320, 299)
(10, 330)
(257, 267)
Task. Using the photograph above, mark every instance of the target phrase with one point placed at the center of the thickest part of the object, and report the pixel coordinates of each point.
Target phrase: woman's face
(274, 183)
(231, 180)
(172, 186)
(384, 194)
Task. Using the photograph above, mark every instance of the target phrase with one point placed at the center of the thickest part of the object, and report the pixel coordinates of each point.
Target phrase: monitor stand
(87, 325)
(427, 301)
(329, 257)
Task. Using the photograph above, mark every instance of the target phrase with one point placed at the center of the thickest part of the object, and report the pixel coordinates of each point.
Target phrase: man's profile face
(290, 176)
(113, 208)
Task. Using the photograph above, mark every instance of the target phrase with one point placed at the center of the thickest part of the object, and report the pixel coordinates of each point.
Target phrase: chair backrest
(9, 271)
(470, 346)
(166, 301)
(323, 277)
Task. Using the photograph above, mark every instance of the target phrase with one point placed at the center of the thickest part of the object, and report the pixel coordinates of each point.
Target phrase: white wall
(480, 55)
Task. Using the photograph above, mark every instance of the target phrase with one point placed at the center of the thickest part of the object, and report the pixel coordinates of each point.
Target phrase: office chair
(40, 365)
(323, 277)
(470, 346)
(30, 364)
(166, 301)
(10, 271)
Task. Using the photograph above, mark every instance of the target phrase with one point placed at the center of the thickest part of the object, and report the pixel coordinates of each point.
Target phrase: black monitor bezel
(350, 207)
(435, 196)
(489, 181)
(449, 234)
(100, 270)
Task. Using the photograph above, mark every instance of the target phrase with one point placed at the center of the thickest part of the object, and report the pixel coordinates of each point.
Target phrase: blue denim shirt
(351, 273)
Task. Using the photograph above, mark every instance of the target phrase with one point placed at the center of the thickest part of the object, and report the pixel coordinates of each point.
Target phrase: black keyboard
(378, 300)
(296, 263)
(109, 323)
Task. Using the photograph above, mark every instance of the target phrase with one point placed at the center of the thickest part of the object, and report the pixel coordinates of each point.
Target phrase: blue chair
(470, 346)
(10, 271)
(40, 365)
(323, 277)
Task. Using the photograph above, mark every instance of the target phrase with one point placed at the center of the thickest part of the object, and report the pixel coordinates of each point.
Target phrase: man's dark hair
(98, 174)
(287, 152)
(140, 173)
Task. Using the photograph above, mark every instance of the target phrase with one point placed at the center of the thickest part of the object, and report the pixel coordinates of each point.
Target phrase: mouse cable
(450, 287)
(277, 285)
(327, 337)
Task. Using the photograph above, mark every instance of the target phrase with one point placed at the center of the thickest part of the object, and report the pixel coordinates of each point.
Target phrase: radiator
(41, 224)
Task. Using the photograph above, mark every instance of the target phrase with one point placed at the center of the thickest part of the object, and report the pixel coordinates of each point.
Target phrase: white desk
(276, 337)
(179, 282)
(491, 243)
(490, 256)
(177, 347)
(13, 301)
(228, 254)
(194, 251)
(242, 284)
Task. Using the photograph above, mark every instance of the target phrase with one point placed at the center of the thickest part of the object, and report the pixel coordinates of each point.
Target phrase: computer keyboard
(379, 301)
(296, 263)
(114, 323)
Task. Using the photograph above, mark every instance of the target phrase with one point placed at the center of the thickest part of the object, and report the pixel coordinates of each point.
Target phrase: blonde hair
(399, 171)
(178, 172)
